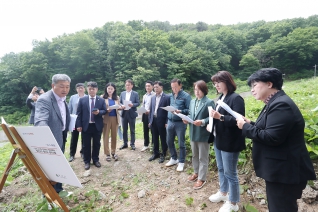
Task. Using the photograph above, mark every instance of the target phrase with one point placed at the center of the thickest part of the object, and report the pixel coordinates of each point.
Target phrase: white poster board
(48, 154)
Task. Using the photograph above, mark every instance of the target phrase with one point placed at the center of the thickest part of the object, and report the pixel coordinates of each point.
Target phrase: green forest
(160, 51)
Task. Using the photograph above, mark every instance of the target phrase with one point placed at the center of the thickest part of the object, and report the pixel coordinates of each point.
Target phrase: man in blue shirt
(181, 101)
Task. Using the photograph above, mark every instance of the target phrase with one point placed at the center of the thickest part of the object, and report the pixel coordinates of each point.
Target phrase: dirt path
(165, 188)
(117, 184)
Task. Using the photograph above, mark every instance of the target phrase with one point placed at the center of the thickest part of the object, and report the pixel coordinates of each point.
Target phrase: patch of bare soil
(134, 184)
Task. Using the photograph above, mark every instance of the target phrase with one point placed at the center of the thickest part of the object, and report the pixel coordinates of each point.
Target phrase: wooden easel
(27, 158)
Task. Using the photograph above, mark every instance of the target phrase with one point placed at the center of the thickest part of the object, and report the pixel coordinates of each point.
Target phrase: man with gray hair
(51, 110)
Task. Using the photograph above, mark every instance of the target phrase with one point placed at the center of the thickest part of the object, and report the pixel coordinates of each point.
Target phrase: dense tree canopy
(160, 51)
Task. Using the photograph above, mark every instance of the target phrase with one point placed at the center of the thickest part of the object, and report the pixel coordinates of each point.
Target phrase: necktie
(92, 107)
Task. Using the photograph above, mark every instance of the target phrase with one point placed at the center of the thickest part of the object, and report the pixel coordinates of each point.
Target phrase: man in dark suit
(51, 110)
(90, 122)
(129, 115)
(158, 119)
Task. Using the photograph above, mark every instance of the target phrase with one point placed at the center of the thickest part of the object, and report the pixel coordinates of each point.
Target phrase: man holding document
(158, 118)
(180, 100)
(89, 121)
(130, 101)
(51, 110)
(146, 104)
(72, 107)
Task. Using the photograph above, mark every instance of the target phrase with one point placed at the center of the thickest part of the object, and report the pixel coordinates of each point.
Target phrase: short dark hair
(272, 75)
(92, 84)
(129, 81)
(158, 83)
(79, 85)
(150, 82)
(176, 80)
(226, 77)
(114, 96)
(202, 86)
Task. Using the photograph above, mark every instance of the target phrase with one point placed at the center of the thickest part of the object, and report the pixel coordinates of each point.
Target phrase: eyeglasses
(215, 83)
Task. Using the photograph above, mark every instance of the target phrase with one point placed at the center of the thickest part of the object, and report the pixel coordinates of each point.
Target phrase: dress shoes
(153, 157)
(133, 148)
(162, 159)
(71, 159)
(87, 166)
(97, 164)
(123, 147)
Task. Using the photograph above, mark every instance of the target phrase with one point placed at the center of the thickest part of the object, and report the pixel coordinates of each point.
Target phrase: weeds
(189, 201)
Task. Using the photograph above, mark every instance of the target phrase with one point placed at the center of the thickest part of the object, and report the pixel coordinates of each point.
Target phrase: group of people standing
(279, 155)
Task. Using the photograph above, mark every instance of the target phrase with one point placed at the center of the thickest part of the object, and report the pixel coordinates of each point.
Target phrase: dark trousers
(159, 131)
(145, 123)
(74, 141)
(91, 134)
(58, 186)
(283, 197)
(126, 119)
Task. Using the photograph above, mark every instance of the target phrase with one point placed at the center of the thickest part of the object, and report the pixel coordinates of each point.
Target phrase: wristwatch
(222, 118)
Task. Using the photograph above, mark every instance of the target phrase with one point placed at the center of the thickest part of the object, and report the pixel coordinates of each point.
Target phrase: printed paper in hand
(48, 154)
(184, 117)
(169, 108)
(113, 107)
(71, 126)
(141, 110)
(209, 127)
(127, 107)
(229, 110)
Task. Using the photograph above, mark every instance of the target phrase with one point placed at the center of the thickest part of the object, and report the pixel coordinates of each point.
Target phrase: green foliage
(203, 206)
(304, 93)
(124, 195)
(249, 208)
(189, 201)
(5, 152)
(160, 51)
(18, 117)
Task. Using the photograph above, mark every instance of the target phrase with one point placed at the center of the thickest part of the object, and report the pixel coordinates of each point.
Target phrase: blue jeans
(173, 129)
(120, 134)
(227, 170)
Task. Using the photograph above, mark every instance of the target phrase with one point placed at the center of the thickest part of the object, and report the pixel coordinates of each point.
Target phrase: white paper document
(114, 107)
(169, 108)
(184, 117)
(209, 126)
(229, 110)
(71, 126)
(141, 110)
(48, 154)
(126, 104)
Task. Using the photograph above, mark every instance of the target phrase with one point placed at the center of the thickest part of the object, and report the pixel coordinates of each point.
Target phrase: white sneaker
(218, 197)
(144, 148)
(172, 162)
(49, 206)
(228, 207)
(180, 167)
